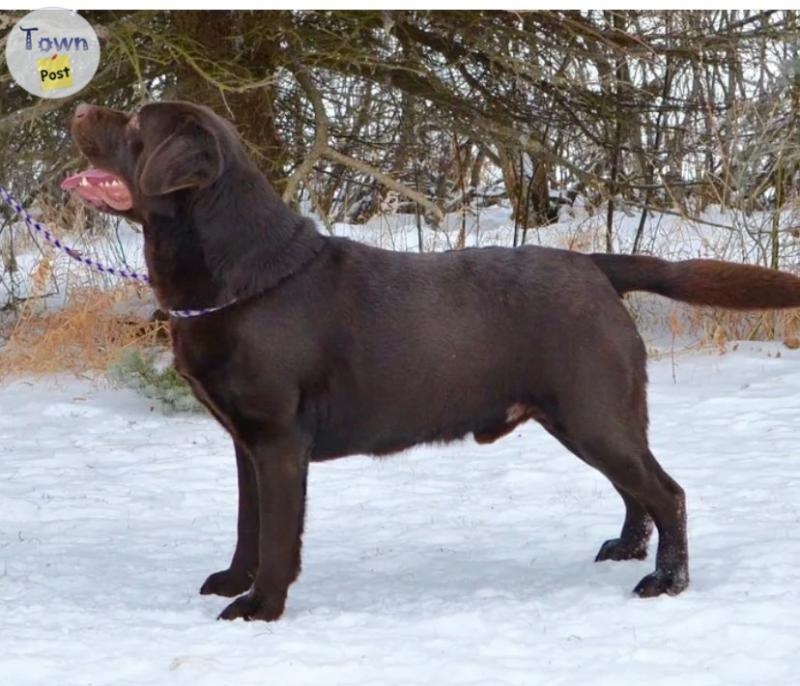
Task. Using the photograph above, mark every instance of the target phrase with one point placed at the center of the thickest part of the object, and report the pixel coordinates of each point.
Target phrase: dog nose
(82, 110)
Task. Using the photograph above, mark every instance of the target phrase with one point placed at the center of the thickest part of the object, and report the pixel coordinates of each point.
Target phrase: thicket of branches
(429, 111)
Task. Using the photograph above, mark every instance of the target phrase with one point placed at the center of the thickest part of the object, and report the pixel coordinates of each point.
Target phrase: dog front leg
(281, 468)
(238, 577)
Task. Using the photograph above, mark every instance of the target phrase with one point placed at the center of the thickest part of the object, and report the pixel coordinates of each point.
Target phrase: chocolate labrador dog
(307, 347)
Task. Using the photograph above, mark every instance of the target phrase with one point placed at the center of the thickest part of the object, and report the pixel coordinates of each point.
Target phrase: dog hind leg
(631, 544)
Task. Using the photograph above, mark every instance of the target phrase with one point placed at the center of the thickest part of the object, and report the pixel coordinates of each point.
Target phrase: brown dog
(324, 347)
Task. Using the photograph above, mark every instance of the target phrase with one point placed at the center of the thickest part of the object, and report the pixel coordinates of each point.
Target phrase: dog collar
(187, 314)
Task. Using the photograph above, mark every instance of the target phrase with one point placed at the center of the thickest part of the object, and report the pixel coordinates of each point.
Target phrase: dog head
(139, 162)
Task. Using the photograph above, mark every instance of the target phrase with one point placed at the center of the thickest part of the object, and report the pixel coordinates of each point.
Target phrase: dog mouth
(100, 189)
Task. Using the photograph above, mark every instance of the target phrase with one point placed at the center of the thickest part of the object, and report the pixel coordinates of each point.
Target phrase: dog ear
(189, 158)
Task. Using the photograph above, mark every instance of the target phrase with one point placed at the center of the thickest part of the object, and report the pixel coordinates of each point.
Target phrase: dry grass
(717, 327)
(86, 328)
(86, 334)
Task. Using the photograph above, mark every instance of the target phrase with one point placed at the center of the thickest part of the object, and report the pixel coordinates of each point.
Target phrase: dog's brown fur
(334, 348)
(702, 282)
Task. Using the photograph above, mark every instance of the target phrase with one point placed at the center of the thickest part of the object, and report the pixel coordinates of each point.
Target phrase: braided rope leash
(11, 201)
(71, 252)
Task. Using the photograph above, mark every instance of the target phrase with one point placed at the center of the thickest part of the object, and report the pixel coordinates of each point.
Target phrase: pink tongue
(88, 185)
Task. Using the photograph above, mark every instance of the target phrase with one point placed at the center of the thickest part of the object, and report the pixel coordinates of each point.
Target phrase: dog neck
(233, 242)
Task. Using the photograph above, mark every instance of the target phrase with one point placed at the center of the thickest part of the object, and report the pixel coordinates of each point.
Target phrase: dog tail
(702, 282)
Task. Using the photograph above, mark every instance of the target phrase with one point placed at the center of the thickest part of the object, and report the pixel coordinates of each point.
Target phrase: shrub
(145, 372)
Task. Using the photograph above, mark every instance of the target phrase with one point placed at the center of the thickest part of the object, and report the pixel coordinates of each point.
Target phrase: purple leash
(94, 264)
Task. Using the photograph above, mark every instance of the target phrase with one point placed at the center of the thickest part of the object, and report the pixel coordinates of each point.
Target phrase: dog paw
(617, 549)
(228, 583)
(253, 606)
(661, 582)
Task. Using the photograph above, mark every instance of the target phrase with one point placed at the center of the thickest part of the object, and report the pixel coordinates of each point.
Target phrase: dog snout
(83, 116)
(92, 114)
(82, 110)
(92, 127)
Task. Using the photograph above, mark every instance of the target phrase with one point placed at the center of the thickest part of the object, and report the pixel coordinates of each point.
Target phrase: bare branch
(317, 150)
(385, 179)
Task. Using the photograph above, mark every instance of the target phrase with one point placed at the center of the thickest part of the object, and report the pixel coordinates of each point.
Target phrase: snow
(458, 564)
(719, 233)
(454, 564)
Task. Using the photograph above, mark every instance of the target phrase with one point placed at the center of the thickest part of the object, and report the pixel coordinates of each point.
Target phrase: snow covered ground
(444, 565)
